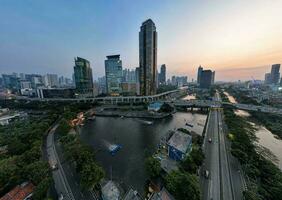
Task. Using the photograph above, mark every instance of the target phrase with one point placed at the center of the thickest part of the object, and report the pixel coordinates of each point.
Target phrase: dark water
(137, 139)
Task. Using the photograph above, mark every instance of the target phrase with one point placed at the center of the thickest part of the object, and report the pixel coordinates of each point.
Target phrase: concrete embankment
(133, 114)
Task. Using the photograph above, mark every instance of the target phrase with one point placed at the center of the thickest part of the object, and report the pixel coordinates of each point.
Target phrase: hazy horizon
(239, 40)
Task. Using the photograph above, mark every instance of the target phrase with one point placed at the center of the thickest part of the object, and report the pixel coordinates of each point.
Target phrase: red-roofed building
(20, 192)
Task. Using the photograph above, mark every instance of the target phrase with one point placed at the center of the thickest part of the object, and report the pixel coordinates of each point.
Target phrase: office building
(11, 81)
(275, 74)
(213, 77)
(51, 80)
(148, 58)
(267, 78)
(179, 80)
(55, 93)
(102, 85)
(137, 78)
(113, 71)
(128, 75)
(200, 69)
(83, 77)
(25, 84)
(162, 77)
(206, 79)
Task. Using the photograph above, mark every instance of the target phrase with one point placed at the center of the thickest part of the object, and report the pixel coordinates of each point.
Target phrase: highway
(225, 181)
(65, 178)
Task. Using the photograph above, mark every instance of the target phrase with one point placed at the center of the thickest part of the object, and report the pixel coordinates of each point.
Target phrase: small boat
(187, 124)
(91, 118)
(145, 121)
(114, 148)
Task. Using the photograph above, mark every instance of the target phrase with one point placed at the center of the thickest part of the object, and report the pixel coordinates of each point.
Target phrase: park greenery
(22, 144)
(23, 160)
(153, 167)
(264, 179)
(81, 156)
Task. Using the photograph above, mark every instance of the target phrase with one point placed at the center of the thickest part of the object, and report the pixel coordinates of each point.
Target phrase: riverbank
(255, 166)
(133, 114)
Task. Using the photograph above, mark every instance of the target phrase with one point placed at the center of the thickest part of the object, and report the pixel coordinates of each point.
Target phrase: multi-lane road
(64, 176)
(224, 180)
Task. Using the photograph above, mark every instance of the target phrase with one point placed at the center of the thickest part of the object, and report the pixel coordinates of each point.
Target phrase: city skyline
(45, 42)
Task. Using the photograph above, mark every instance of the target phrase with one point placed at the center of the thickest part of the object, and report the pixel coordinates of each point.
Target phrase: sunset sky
(239, 39)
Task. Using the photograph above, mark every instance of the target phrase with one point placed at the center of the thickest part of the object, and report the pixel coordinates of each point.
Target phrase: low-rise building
(132, 195)
(110, 191)
(162, 195)
(179, 145)
(20, 192)
(55, 93)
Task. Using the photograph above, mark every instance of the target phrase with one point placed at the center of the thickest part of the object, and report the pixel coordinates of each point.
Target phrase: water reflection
(265, 137)
(136, 138)
(267, 140)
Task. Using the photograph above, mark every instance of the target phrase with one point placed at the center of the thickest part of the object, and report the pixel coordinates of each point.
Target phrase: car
(61, 197)
(210, 140)
(207, 174)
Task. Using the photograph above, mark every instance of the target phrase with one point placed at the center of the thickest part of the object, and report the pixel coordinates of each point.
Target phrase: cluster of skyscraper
(205, 78)
(273, 77)
(142, 81)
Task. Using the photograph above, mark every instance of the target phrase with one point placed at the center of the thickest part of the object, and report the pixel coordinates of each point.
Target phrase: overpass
(209, 103)
(111, 99)
(163, 97)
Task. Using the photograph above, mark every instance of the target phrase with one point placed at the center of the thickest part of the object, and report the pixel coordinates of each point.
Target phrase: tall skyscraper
(148, 58)
(113, 71)
(162, 78)
(83, 77)
(200, 69)
(275, 74)
(206, 78)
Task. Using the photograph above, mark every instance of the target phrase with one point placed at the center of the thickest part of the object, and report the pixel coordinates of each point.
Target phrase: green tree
(153, 167)
(183, 186)
(37, 171)
(91, 175)
(41, 189)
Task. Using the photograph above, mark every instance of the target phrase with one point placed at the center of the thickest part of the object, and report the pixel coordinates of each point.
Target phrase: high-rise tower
(83, 77)
(148, 58)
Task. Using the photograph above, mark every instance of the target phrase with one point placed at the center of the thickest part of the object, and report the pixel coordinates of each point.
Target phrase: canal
(137, 138)
(265, 137)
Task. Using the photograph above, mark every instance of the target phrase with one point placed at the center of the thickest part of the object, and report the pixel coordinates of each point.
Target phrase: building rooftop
(180, 141)
(110, 191)
(113, 56)
(148, 21)
(162, 195)
(20, 192)
(132, 195)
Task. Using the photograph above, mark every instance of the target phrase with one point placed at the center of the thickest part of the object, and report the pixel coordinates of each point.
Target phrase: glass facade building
(83, 77)
(148, 58)
(113, 71)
